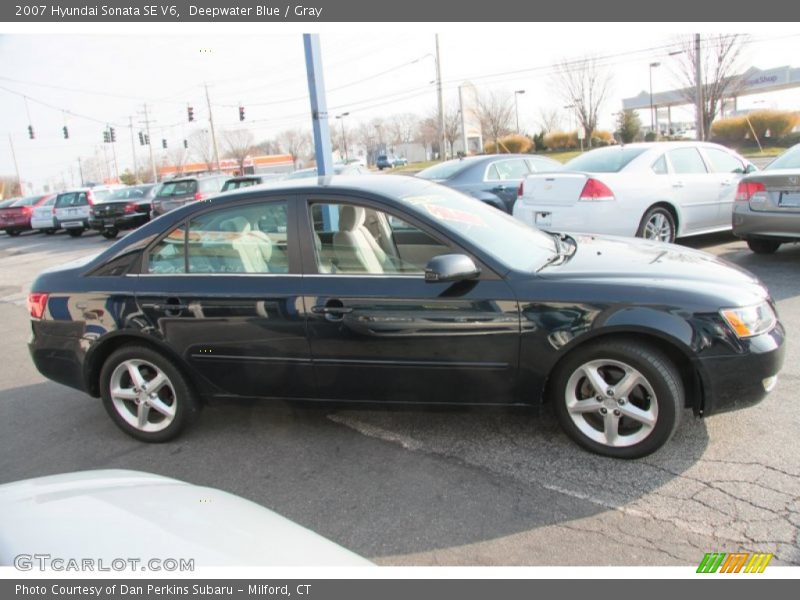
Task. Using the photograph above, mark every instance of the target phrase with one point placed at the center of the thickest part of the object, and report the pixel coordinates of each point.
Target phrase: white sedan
(43, 217)
(656, 190)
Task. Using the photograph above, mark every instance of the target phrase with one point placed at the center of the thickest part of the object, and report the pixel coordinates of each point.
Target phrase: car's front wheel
(75, 232)
(763, 246)
(657, 224)
(110, 234)
(619, 398)
(146, 395)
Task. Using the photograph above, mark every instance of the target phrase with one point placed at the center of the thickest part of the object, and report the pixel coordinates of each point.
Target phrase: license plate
(68, 224)
(543, 219)
(791, 199)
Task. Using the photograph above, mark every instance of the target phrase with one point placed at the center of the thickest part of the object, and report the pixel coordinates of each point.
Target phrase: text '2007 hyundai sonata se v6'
(390, 290)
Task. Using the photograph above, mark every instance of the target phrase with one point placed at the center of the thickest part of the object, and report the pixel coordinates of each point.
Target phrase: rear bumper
(581, 217)
(68, 224)
(16, 224)
(740, 380)
(129, 221)
(748, 223)
(58, 357)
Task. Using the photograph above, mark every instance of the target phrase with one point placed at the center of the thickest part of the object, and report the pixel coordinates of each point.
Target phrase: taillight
(27, 210)
(596, 191)
(199, 195)
(90, 198)
(746, 190)
(520, 189)
(130, 207)
(37, 302)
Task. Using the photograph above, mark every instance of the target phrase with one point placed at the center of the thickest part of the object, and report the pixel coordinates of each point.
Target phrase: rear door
(694, 189)
(379, 332)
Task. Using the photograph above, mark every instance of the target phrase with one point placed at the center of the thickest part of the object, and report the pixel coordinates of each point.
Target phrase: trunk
(561, 189)
(782, 193)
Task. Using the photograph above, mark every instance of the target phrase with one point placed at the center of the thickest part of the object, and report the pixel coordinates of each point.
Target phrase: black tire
(75, 232)
(12, 232)
(659, 374)
(761, 246)
(660, 215)
(110, 234)
(176, 394)
(49, 231)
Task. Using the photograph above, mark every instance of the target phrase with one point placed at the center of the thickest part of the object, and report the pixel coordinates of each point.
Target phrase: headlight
(750, 320)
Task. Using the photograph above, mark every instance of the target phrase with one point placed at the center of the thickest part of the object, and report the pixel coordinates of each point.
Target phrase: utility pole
(16, 166)
(80, 170)
(442, 149)
(698, 75)
(150, 144)
(213, 134)
(463, 118)
(133, 149)
(114, 155)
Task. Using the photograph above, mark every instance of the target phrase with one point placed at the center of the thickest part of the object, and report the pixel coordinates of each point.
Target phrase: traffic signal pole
(16, 166)
(150, 145)
(133, 149)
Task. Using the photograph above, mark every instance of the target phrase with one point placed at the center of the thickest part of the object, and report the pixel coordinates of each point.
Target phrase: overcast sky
(369, 72)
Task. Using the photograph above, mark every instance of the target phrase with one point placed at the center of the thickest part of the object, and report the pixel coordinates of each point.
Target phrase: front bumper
(734, 381)
(754, 224)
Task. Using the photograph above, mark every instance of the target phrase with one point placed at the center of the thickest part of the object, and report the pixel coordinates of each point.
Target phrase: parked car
(767, 209)
(243, 181)
(491, 178)
(72, 210)
(16, 218)
(175, 193)
(121, 513)
(43, 217)
(389, 162)
(338, 169)
(654, 190)
(125, 208)
(403, 292)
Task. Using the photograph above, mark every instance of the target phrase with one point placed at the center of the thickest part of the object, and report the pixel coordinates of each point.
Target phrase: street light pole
(344, 139)
(652, 117)
(516, 106)
(442, 142)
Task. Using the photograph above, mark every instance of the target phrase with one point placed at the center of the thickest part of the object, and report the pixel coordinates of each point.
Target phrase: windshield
(444, 170)
(604, 160)
(788, 160)
(508, 240)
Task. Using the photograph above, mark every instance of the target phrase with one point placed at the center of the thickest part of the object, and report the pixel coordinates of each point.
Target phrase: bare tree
(295, 143)
(549, 120)
(401, 127)
(177, 158)
(200, 147)
(495, 111)
(342, 138)
(452, 126)
(584, 86)
(721, 64)
(238, 144)
(428, 133)
(10, 186)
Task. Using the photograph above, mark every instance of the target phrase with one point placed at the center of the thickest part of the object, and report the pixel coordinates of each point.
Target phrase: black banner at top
(319, 11)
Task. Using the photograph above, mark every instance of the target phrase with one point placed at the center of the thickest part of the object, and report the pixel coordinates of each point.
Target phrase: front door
(379, 332)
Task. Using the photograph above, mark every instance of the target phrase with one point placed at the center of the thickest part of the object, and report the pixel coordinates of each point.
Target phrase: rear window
(177, 188)
(604, 160)
(101, 195)
(238, 183)
(788, 160)
(444, 170)
(71, 199)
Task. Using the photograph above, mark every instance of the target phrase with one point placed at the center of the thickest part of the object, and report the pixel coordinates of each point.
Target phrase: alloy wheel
(658, 228)
(143, 395)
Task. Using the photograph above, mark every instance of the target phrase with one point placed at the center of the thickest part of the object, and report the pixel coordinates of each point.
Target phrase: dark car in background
(125, 208)
(175, 193)
(243, 181)
(16, 217)
(766, 212)
(492, 178)
(338, 169)
(395, 290)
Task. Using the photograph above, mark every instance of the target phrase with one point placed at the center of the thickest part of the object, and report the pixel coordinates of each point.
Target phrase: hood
(107, 514)
(657, 265)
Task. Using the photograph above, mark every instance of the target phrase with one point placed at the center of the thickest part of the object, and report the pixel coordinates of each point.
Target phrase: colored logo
(736, 562)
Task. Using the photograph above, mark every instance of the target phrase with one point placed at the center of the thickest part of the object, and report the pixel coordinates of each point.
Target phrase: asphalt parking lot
(463, 487)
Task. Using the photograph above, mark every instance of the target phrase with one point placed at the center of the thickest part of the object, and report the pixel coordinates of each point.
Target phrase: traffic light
(66, 132)
(141, 139)
(185, 143)
(146, 139)
(30, 132)
(190, 113)
(163, 143)
(111, 134)
(106, 136)
(241, 113)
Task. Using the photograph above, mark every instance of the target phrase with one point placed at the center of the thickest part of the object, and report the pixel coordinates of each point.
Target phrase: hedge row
(737, 130)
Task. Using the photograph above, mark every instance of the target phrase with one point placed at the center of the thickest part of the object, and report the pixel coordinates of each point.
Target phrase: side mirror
(451, 267)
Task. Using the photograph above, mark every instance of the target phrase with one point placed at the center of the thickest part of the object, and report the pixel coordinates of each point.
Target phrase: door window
(659, 167)
(356, 239)
(507, 169)
(169, 255)
(686, 161)
(722, 162)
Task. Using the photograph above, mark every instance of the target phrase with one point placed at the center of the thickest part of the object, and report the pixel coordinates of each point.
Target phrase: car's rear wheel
(110, 234)
(146, 395)
(657, 224)
(619, 398)
(763, 246)
(49, 231)
(75, 232)
(12, 232)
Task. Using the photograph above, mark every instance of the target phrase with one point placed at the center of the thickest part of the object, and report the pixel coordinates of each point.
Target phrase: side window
(241, 239)
(722, 162)
(659, 167)
(492, 174)
(356, 239)
(686, 161)
(508, 169)
(168, 255)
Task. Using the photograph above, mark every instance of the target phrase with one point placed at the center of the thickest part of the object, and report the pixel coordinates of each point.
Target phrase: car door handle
(726, 182)
(169, 306)
(677, 184)
(331, 310)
